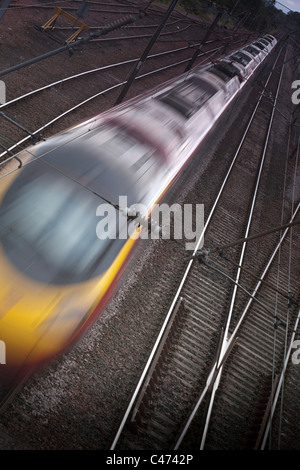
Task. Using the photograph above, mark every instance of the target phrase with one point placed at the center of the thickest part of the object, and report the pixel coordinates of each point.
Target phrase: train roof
(240, 57)
(189, 96)
(224, 70)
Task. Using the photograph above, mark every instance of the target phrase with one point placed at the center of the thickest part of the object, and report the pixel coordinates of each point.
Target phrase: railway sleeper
(191, 357)
(194, 318)
(234, 385)
(235, 398)
(242, 367)
(259, 316)
(255, 354)
(192, 345)
(240, 371)
(179, 368)
(263, 345)
(260, 347)
(202, 282)
(184, 382)
(192, 336)
(204, 304)
(186, 369)
(262, 324)
(195, 325)
(231, 410)
(211, 291)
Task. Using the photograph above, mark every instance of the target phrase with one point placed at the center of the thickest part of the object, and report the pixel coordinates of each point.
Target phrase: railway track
(214, 350)
(186, 355)
(14, 115)
(68, 99)
(8, 152)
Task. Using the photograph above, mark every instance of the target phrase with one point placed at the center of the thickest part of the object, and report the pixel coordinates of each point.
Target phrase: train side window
(188, 97)
(252, 50)
(263, 41)
(225, 71)
(241, 58)
(269, 38)
(259, 45)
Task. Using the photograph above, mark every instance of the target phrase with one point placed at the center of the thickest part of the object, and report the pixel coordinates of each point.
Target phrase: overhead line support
(146, 52)
(204, 40)
(69, 47)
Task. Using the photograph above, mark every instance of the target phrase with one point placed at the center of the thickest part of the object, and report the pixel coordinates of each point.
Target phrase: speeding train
(57, 272)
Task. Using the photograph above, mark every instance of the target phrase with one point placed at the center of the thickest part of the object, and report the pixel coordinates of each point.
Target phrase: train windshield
(50, 221)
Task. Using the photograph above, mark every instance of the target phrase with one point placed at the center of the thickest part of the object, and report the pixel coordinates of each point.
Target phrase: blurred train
(56, 273)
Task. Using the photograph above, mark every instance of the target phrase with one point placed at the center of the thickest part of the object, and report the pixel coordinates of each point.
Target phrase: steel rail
(211, 376)
(184, 277)
(25, 139)
(67, 28)
(22, 141)
(280, 383)
(140, 36)
(233, 298)
(99, 69)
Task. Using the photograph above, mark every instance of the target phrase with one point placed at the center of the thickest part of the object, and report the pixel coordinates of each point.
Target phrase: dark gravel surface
(77, 402)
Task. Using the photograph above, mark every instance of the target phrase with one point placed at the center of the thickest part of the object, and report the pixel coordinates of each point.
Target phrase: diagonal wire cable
(277, 281)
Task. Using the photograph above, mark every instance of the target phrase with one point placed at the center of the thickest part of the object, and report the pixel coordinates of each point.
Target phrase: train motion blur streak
(56, 275)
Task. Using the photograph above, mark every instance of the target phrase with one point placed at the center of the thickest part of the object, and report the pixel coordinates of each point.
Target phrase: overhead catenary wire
(57, 93)
(205, 253)
(287, 296)
(237, 327)
(289, 287)
(239, 285)
(22, 7)
(182, 283)
(22, 141)
(278, 272)
(99, 69)
(146, 52)
(82, 41)
(242, 255)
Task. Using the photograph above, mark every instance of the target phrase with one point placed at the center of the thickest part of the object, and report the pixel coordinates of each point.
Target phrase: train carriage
(59, 262)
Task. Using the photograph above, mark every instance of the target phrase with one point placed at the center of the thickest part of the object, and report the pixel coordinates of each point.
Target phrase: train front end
(59, 261)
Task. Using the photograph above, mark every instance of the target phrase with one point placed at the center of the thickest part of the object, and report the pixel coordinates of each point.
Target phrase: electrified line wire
(40, 159)
(279, 264)
(57, 93)
(82, 103)
(22, 7)
(276, 289)
(96, 70)
(289, 286)
(202, 253)
(243, 289)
